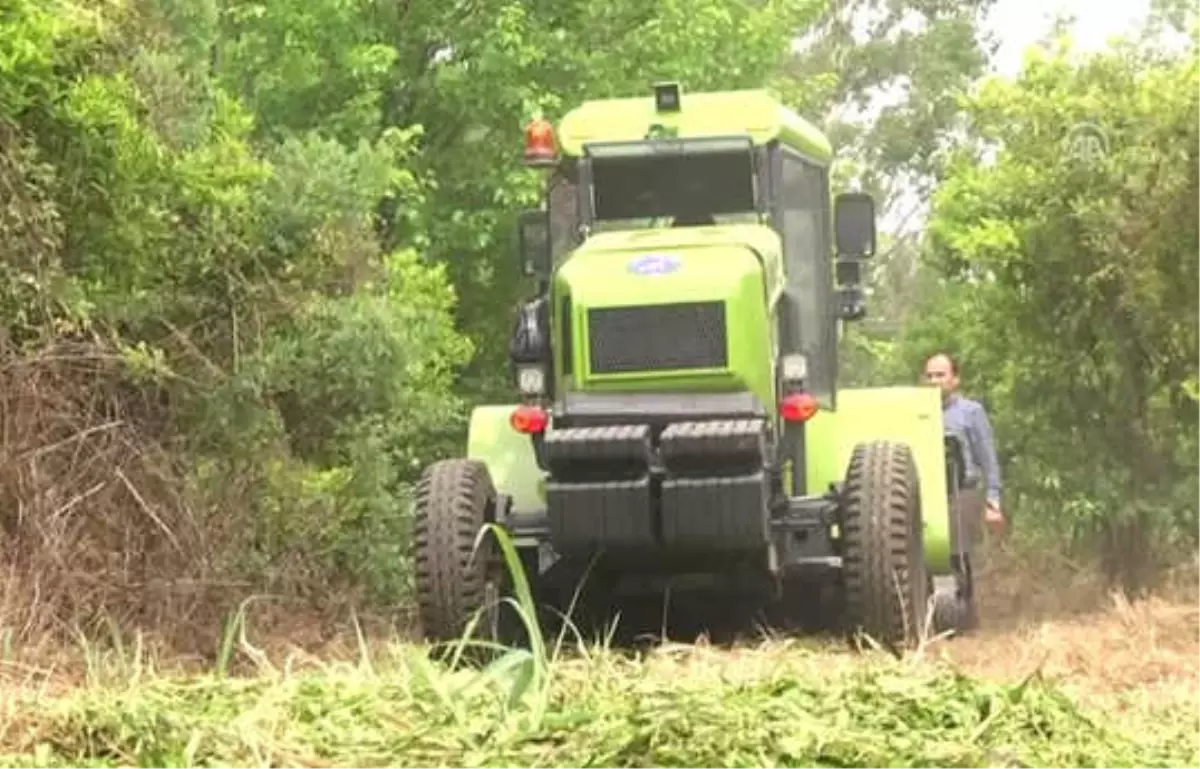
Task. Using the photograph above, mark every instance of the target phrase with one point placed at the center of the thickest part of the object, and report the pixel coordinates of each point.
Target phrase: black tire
(950, 613)
(947, 612)
(886, 581)
(454, 499)
(956, 610)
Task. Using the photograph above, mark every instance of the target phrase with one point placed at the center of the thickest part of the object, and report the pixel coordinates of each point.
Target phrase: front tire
(886, 581)
(454, 499)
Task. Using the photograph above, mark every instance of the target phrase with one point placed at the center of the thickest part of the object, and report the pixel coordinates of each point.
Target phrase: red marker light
(529, 420)
(798, 407)
(540, 147)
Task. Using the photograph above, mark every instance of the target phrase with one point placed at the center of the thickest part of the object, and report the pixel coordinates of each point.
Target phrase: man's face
(940, 373)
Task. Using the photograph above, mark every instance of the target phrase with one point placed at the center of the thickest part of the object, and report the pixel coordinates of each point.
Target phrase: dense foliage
(1064, 236)
(290, 367)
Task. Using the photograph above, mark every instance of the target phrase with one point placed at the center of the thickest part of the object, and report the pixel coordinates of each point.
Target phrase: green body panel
(738, 264)
(909, 414)
(508, 455)
(756, 113)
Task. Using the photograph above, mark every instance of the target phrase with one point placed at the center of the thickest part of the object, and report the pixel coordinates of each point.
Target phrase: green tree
(469, 76)
(884, 79)
(1071, 287)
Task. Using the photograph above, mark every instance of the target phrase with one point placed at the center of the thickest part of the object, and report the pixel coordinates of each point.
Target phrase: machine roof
(754, 112)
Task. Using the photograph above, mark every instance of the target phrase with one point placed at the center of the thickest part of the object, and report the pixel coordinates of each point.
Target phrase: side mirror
(854, 224)
(533, 247)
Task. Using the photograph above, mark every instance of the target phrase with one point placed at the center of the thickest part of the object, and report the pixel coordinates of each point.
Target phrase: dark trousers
(966, 518)
(966, 532)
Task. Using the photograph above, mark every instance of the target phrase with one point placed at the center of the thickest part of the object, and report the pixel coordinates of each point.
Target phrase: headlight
(795, 368)
(531, 380)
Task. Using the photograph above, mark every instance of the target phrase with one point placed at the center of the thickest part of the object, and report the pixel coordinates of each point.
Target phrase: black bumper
(698, 486)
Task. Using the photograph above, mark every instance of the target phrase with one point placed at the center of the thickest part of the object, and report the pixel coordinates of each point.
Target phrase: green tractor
(679, 422)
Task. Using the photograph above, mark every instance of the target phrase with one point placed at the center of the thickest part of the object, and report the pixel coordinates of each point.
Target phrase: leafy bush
(251, 380)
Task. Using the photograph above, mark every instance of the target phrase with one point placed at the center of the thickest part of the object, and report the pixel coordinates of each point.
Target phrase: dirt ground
(1050, 617)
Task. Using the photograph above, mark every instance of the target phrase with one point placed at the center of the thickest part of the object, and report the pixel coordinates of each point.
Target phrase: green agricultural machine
(679, 423)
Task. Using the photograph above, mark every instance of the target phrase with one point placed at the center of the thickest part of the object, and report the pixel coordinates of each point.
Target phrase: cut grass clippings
(1120, 690)
(777, 705)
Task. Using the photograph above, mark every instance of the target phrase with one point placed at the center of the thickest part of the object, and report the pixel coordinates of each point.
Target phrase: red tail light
(539, 142)
(529, 420)
(798, 407)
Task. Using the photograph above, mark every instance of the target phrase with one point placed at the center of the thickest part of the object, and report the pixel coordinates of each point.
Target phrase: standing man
(969, 421)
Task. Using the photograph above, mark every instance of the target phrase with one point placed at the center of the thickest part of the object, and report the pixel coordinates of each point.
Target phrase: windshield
(689, 189)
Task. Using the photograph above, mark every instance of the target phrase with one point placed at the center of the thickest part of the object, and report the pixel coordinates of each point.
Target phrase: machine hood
(660, 309)
(674, 265)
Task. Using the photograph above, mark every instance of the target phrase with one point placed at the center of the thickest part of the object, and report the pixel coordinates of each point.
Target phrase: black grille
(657, 338)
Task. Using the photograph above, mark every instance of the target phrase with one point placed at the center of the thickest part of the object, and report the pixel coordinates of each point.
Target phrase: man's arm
(985, 440)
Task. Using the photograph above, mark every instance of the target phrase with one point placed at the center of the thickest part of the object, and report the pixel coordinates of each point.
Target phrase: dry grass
(103, 526)
(1056, 619)
(1150, 645)
(92, 521)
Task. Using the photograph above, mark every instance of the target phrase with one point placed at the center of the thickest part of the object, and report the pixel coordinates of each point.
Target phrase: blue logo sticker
(654, 264)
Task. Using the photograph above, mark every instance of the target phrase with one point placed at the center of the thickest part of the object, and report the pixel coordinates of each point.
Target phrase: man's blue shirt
(969, 421)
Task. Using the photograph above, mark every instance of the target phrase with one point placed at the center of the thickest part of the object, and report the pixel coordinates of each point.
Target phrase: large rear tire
(886, 581)
(454, 499)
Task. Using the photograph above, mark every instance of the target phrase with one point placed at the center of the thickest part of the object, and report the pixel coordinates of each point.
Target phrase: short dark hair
(949, 356)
